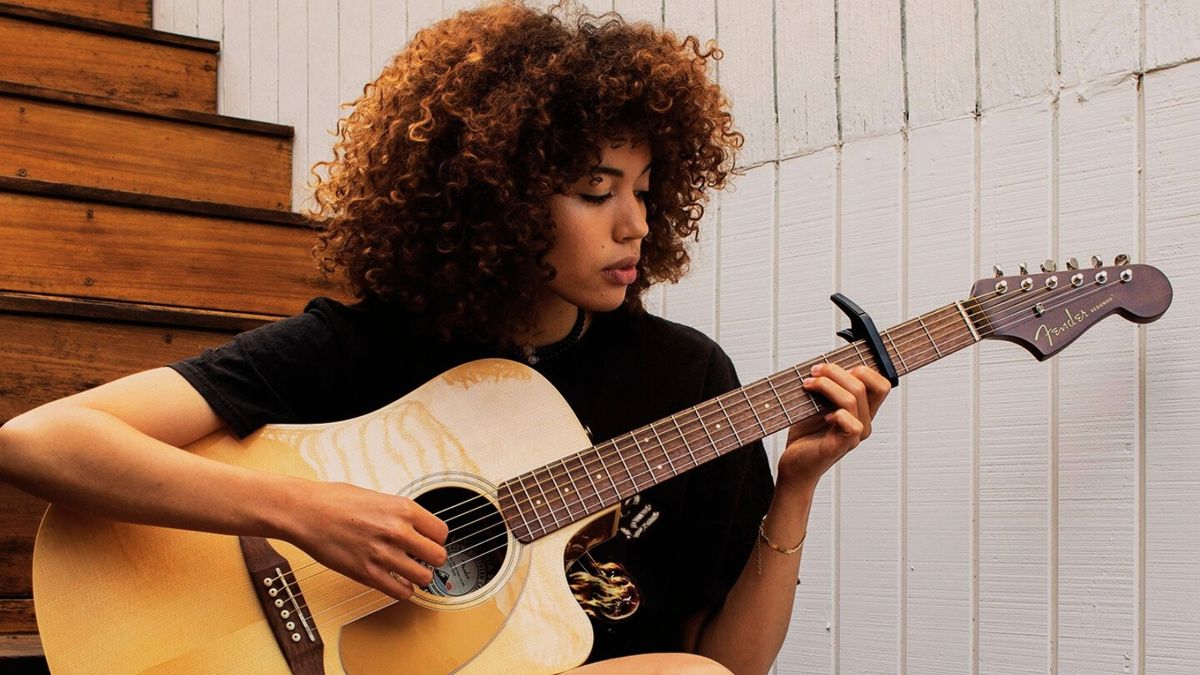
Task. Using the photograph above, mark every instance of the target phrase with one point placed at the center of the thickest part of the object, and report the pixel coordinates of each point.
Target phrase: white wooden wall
(1008, 516)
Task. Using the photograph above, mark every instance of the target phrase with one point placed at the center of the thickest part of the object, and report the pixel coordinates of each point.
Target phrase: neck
(546, 499)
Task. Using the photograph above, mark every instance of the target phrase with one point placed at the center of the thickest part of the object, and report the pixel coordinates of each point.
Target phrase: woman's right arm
(114, 451)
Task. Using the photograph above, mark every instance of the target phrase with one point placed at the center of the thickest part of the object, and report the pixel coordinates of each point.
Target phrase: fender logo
(1073, 320)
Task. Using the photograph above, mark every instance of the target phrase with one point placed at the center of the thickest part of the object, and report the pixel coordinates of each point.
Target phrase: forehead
(626, 152)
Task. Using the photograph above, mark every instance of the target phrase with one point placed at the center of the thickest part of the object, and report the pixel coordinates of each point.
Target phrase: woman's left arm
(747, 632)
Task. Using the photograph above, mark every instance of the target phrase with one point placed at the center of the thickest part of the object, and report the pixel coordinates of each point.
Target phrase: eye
(642, 195)
(595, 199)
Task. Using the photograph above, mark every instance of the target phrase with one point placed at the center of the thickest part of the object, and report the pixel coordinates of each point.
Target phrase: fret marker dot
(566, 490)
(538, 502)
(718, 425)
(658, 468)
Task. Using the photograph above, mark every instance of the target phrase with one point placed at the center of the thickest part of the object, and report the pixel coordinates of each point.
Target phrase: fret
(811, 397)
(897, 350)
(859, 354)
(535, 503)
(588, 472)
(967, 320)
(662, 445)
(786, 415)
(553, 511)
(621, 456)
(753, 414)
(930, 336)
(732, 425)
(600, 458)
(700, 420)
(574, 489)
(519, 510)
(686, 446)
(645, 459)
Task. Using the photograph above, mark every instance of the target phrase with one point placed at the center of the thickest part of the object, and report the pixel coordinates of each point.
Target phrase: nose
(631, 219)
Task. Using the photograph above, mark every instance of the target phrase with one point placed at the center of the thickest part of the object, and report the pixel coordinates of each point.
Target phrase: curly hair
(437, 197)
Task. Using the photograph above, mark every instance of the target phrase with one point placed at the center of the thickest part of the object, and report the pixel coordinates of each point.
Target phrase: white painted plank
(1014, 436)
(186, 17)
(323, 97)
(648, 11)
(940, 59)
(805, 328)
(422, 14)
(293, 96)
(1172, 32)
(264, 60)
(692, 17)
(1016, 50)
(744, 295)
(235, 59)
(354, 51)
(870, 68)
(389, 28)
(1097, 391)
(1172, 536)
(941, 197)
(807, 91)
(210, 20)
(1098, 38)
(162, 15)
(747, 74)
(869, 511)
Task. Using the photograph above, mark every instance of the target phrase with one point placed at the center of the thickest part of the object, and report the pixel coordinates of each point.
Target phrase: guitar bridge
(284, 606)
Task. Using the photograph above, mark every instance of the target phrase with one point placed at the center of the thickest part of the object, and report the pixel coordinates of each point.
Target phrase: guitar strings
(993, 304)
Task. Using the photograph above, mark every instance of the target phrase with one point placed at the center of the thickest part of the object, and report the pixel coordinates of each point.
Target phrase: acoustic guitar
(523, 490)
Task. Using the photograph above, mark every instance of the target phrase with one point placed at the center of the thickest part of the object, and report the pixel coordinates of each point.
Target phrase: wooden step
(128, 12)
(147, 68)
(84, 140)
(135, 248)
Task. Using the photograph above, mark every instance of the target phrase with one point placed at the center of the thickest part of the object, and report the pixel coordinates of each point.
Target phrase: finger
(847, 425)
(419, 546)
(851, 383)
(424, 521)
(393, 583)
(877, 385)
(406, 570)
(831, 390)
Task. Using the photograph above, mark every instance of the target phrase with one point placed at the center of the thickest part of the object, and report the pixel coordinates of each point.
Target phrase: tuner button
(1024, 269)
(1001, 287)
(1097, 262)
(1126, 275)
(1077, 280)
(997, 271)
(1122, 260)
(1049, 265)
(1072, 264)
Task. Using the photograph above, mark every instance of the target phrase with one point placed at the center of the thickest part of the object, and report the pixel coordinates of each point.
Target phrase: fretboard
(553, 496)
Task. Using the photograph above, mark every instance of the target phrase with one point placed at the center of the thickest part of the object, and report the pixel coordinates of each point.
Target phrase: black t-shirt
(681, 544)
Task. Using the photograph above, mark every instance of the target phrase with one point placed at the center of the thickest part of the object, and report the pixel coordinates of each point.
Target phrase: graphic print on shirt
(605, 589)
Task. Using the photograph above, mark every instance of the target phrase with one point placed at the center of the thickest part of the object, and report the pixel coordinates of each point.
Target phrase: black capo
(863, 328)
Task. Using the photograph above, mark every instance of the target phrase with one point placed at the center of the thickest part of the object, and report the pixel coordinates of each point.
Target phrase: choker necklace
(535, 355)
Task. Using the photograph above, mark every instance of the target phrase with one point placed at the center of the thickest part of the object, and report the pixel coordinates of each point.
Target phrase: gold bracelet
(762, 536)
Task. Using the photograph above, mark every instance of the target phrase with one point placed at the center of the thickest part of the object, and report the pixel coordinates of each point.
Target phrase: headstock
(1046, 312)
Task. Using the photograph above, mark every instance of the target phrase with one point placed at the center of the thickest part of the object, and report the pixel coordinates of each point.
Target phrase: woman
(508, 186)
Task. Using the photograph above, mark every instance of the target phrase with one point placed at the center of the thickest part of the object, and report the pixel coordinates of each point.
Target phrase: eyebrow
(612, 171)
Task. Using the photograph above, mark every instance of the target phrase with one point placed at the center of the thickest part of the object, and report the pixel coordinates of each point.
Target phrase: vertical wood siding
(1007, 516)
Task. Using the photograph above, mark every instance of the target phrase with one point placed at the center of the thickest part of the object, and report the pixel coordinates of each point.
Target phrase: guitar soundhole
(477, 543)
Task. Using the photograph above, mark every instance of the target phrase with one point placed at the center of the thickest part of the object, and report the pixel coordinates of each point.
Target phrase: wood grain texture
(131, 12)
(747, 74)
(1098, 38)
(1172, 469)
(156, 76)
(870, 67)
(805, 326)
(869, 555)
(148, 256)
(20, 514)
(424, 434)
(50, 357)
(1016, 50)
(939, 59)
(938, 405)
(1014, 436)
(805, 86)
(1172, 32)
(120, 151)
(1097, 391)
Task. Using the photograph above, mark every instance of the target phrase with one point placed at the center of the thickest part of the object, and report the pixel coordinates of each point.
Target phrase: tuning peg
(1122, 260)
(1024, 269)
(1049, 265)
(1072, 264)
(1097, 262)
(997, 271)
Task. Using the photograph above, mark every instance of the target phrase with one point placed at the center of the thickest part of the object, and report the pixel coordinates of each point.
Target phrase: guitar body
(113, 597)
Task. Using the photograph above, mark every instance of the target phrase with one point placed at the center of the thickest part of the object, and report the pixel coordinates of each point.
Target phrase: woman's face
(600, 221)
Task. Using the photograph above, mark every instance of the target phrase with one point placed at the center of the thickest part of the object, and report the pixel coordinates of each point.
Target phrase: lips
(624, 271)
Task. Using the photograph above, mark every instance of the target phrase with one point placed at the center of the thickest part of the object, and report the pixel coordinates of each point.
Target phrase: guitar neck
(553, 496)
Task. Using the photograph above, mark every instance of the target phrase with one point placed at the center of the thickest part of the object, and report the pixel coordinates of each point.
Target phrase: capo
(863, 328)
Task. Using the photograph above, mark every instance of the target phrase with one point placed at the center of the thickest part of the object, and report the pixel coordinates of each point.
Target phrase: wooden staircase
(137, 226)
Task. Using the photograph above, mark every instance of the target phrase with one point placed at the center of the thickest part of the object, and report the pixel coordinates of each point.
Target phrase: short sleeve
(278, 373)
